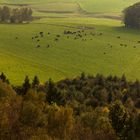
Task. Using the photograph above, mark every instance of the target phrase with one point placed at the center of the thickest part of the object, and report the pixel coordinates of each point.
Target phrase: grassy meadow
(68, 57)
(115, 51)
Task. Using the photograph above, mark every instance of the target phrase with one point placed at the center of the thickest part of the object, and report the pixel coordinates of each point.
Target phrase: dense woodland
(84, 108)
(15, 15)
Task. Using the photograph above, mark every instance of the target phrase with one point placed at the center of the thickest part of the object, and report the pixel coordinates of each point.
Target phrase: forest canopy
(84, 108)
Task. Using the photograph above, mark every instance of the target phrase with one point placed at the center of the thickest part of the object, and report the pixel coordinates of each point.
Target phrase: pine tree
(3, 77)
(26, 85)
(35, 82)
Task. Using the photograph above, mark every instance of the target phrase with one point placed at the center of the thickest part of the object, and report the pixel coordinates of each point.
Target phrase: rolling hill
(105, 7)
(68, 57)
(105, 46)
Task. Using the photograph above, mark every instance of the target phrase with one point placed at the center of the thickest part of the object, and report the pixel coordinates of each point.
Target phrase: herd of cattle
(83, 35)
(75, 35)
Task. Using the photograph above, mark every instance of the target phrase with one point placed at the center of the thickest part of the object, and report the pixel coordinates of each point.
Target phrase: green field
(68, 57)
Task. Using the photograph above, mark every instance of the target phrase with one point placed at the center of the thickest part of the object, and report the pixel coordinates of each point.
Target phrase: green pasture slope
(68, 57)
(116, 51)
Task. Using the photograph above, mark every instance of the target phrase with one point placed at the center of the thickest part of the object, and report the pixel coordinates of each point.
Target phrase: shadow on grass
(123, 29)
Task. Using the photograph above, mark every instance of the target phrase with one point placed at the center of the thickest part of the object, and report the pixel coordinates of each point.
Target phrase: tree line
(83, 108)
(15, 15)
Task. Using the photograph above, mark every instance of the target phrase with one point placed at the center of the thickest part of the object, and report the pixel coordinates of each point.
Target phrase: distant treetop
(132, 16)
(16, 15)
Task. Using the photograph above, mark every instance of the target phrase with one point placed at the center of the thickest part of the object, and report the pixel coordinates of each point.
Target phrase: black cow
(38, 46)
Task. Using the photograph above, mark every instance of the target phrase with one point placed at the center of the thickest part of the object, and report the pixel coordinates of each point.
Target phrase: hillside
(104, 47)
(82, 7)
(69, 70)
(68, 57)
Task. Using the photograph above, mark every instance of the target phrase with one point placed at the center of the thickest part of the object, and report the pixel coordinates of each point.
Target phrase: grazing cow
(38, 46)
(41, 33)
(32, 38)
(48, 33)
(79, 35)
(16, 37)
(38, 40)
(104, 53)
(67, 32)
(134, 46)
(36, 36)
(56, 39)
(138, 42)
(118, 37)
(100, 33)
(57, 35)
(48, 46)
